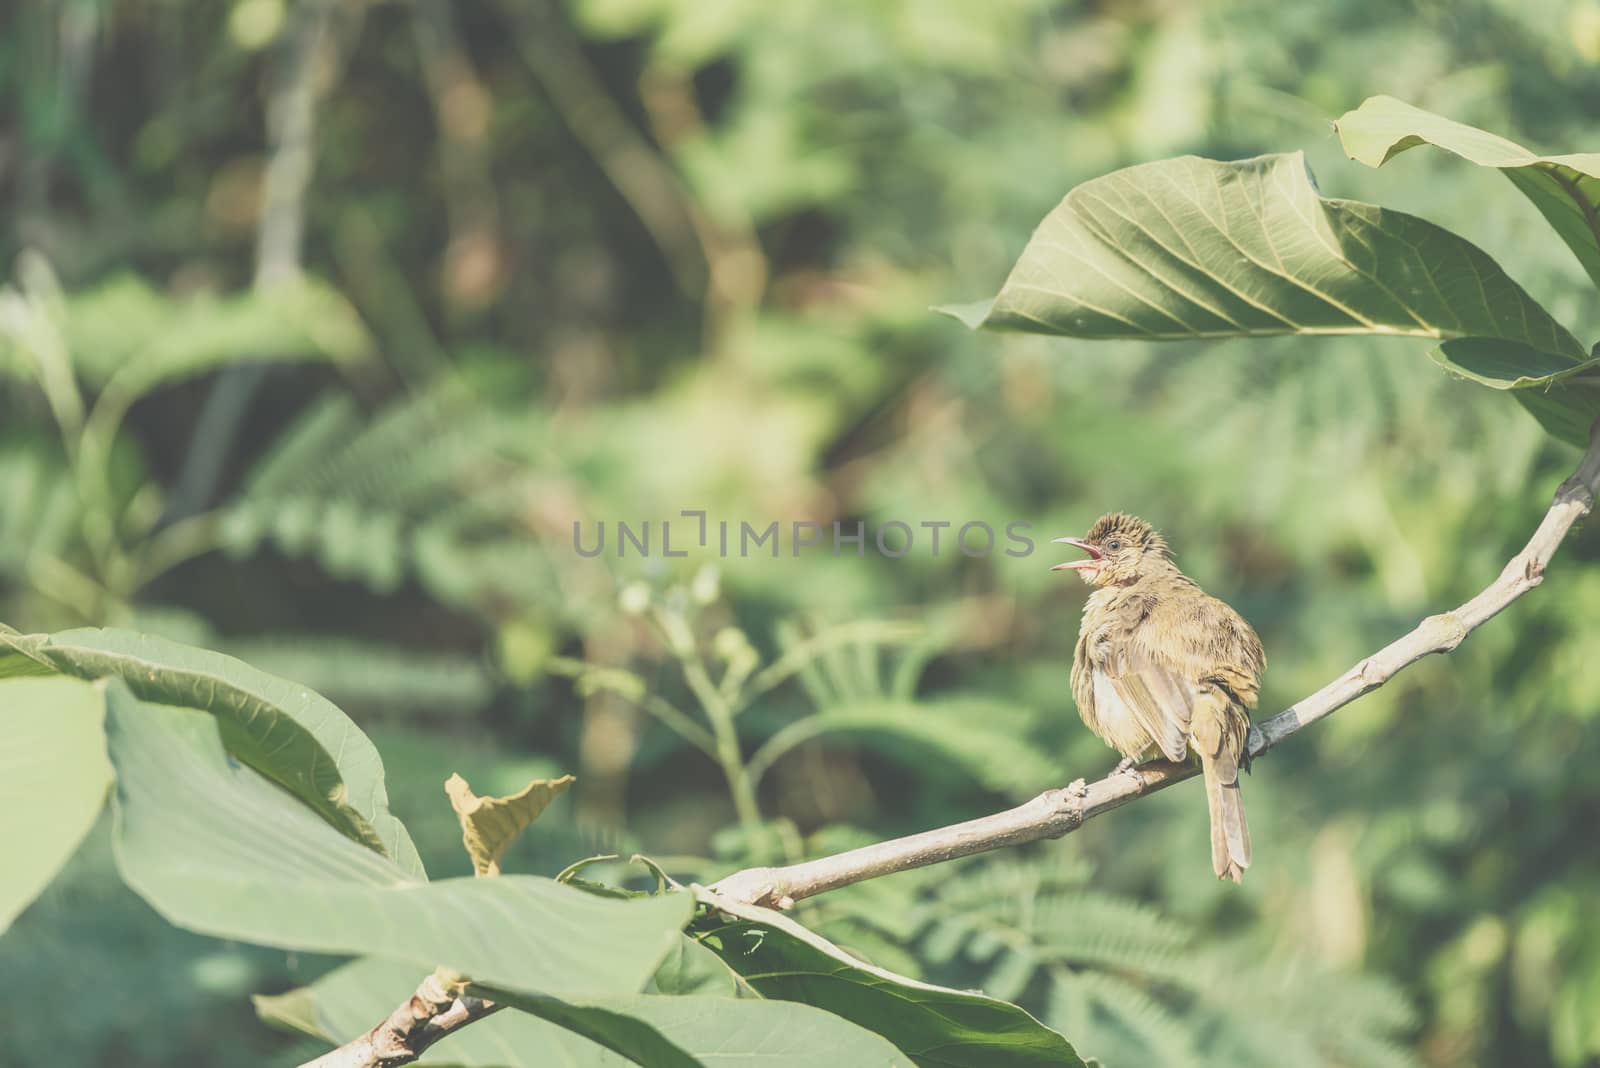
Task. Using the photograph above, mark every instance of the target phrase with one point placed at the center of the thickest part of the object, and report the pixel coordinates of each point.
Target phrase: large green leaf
(693, 969)
(19, 655)
(657, 1031)
(1565, 189)
(129, 338)
(346, 1002)
(218, 849)
(284, 730)
(935, 1026)
(611, 1026)
(1193, 248)
(53, 780)
(734, 1033)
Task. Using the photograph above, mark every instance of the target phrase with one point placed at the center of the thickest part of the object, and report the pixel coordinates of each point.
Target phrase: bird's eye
(1114, 544)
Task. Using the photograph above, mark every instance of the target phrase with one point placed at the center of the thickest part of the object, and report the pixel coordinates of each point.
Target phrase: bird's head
(1121, 548)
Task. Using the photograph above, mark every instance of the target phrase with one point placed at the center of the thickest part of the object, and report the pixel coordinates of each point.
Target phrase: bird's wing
(1206, 641)
(1146, 686)
(1207, 644)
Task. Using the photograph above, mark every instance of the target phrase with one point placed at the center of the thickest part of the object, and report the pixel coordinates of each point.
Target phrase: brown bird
(1162, 668)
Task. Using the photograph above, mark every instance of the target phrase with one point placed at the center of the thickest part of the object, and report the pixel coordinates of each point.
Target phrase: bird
(1162, 669)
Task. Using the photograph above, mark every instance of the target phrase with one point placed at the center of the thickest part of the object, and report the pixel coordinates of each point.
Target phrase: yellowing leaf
(490, 824)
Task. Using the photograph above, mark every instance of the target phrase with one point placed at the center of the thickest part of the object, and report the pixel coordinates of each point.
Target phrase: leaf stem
(629, 688)
(720, 712)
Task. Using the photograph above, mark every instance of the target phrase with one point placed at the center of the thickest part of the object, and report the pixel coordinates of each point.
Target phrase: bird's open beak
(1095, 556)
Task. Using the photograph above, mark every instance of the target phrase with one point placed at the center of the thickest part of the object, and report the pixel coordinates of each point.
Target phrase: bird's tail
(1230, 838)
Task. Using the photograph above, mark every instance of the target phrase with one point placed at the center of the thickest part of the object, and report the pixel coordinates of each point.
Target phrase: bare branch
(291, 121)
(1061, 811)
(432, 1013)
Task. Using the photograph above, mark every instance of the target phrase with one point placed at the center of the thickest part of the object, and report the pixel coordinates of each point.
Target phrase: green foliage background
(617, 258)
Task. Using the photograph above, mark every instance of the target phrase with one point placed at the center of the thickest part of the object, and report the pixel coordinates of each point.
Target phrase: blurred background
(325, 321)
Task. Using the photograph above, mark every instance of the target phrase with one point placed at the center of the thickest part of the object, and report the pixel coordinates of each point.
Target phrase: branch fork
(437, 1008)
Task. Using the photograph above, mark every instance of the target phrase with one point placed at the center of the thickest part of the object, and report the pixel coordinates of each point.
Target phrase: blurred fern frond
(1120, 1021)
(861, 679)
(372, 675)
(439, 487)
(1138, 987)
(970, 733)
(40, 531)
(127, 335)
(41, 508)
(124, 338)
(1132, 985)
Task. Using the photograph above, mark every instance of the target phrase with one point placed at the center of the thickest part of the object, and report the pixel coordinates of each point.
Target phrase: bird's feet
(1078, 788)
(1125, 765)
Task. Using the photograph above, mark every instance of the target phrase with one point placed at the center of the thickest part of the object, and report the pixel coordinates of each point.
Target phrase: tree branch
(1061, 811)
(432, 1013)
